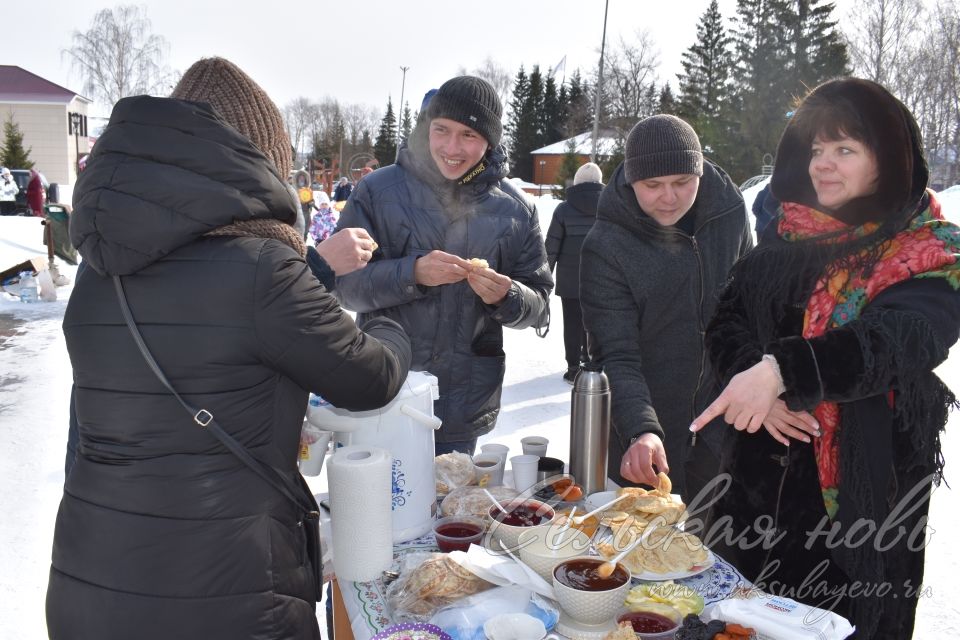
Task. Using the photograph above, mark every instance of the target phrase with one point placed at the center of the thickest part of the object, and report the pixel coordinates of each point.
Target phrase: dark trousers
(463, 446)
(574, 337)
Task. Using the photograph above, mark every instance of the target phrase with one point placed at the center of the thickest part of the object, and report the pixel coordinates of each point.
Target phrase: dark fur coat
(866, 564)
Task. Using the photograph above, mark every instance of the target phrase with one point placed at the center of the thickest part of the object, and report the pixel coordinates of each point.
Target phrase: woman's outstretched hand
(746, 401)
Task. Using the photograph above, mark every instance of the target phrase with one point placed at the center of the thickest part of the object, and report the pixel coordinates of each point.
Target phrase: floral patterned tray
(412, 631)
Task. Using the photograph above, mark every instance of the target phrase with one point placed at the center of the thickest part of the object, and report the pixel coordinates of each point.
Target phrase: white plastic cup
(500, 449)
(524, 471)
(535, 446)
(313, 447)
(488, 469)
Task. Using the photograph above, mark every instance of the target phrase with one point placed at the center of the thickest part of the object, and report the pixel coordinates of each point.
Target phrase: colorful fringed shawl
(928, 248)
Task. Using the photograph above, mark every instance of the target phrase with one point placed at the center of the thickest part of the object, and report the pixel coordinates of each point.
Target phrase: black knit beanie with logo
(662, 145)
(471, 101)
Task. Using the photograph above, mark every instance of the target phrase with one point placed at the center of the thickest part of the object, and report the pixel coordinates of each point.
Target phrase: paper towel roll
(360, 517)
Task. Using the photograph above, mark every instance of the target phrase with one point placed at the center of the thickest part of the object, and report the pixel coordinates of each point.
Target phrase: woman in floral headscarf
(826, 338)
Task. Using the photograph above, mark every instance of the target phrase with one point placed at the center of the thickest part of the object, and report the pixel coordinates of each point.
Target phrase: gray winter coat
(647, 292)
(411, 210)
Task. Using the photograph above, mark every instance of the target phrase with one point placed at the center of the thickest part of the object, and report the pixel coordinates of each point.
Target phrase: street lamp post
(599, 87)
(403, 86)
(75, 119)
(540, 180)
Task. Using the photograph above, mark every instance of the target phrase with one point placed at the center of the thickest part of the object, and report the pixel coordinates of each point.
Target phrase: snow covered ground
(35, 382)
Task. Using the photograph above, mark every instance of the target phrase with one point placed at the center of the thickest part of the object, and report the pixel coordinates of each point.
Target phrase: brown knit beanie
(242, 103)
(662, 145)
(472, 102)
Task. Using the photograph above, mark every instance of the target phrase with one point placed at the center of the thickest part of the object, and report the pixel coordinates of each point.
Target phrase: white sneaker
(58, 278)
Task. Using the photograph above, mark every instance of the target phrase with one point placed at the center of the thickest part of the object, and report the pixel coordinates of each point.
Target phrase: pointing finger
(718, 407)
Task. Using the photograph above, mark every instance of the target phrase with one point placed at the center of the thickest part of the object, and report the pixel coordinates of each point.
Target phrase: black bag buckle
(203, 417)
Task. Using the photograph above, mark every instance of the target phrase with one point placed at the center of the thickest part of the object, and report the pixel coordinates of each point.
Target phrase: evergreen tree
(406, 122)
(651, 101)
(763, 91)
(667, 103)
(521, 85)
(563, 104)
(707, 66)
(579, 111)
(551, 128)
(609, 164)
(12, 154)
(568, 168)
(385, 148)
(706, 94)
(819, 51)
(524, 120)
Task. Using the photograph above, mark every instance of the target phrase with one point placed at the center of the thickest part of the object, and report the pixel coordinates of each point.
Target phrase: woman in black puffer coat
(163, 533)
(571, 221)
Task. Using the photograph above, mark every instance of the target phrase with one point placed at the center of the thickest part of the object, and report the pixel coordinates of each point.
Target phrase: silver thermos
(590, 428)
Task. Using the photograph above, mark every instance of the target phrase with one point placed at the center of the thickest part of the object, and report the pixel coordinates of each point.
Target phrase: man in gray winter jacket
(669, 226)
(460, 255)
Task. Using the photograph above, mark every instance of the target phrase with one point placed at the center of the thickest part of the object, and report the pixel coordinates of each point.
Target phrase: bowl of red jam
(650, 625)
(587, 596)
(520, 516)
(457, 533)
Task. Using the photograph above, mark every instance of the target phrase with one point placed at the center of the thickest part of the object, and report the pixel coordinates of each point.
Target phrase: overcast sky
(353, 51)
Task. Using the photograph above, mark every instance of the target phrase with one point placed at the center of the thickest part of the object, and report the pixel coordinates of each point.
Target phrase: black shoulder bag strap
(310, 517)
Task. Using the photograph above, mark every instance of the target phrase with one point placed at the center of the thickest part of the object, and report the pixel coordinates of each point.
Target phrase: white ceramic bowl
(510, 534)
(514, 626)
(592, 607)
(542, 550)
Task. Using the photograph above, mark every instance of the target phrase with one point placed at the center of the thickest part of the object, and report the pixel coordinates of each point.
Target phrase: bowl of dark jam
(520, 516)
(652, 625)
(587, 596)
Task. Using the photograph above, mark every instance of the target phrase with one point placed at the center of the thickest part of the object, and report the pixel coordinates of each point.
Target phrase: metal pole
(597, 90)
(403, 86)
(75, 121)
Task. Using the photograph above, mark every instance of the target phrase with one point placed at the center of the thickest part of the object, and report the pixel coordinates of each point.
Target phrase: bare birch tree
(359, 119)
(494, 73)
(119, 56)
(629, 77)
(915, 53)
(298, 115)
(880, 35)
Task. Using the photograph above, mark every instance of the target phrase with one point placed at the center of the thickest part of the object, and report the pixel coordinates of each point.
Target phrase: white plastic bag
(48, 291)
(776, 618)
(464, 620)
